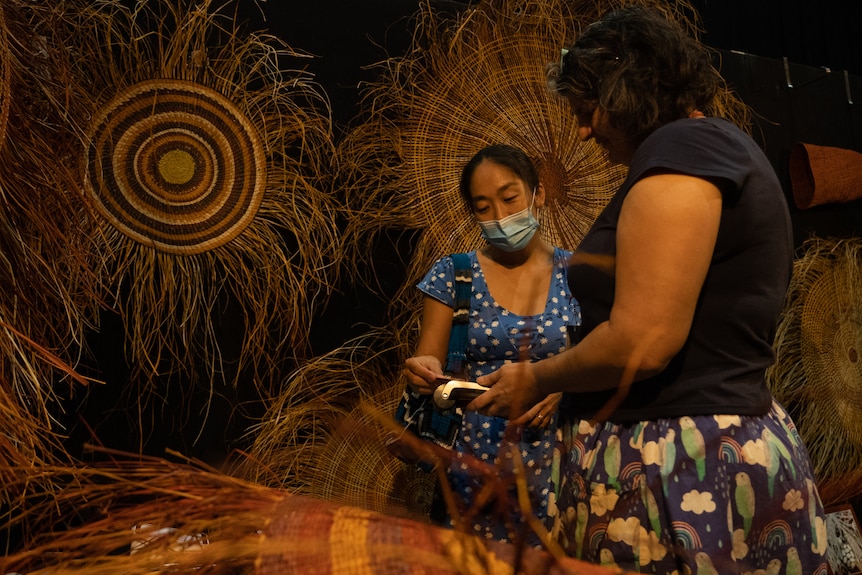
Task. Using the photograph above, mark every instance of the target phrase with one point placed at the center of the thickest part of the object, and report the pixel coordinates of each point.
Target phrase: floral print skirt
(701, 495)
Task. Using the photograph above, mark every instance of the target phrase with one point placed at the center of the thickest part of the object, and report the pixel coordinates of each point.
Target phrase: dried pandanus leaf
(48, 270)
(142, 515)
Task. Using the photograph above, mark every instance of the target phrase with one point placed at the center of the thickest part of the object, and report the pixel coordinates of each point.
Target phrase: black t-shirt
(720, 369)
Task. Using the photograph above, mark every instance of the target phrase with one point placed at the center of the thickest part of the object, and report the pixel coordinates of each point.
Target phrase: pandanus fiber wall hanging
(818, 369)
(206, 154)
(168, 171)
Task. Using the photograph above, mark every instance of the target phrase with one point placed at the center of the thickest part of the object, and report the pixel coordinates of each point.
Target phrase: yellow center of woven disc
(177, 167)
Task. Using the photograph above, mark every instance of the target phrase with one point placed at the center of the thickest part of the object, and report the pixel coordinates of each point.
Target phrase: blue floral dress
(495, 337)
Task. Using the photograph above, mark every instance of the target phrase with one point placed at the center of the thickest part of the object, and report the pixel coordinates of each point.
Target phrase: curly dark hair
(641, 68)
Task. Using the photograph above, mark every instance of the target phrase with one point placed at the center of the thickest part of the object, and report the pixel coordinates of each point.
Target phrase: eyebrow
(500, 190)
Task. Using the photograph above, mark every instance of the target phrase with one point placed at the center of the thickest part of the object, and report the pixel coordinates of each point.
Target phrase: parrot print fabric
(700, 495)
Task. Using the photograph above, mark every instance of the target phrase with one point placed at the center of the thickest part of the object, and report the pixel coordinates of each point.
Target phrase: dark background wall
(798, 64)
(821, 33)
(347, 36)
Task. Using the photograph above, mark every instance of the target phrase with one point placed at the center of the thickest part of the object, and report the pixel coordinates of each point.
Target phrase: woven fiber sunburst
(466, 82)
(353, 467)
(176, 166)
(207, 152)
(818, 369)
(320, 436)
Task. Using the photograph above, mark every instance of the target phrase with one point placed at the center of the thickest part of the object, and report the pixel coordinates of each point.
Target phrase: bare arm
(430, 355)
(665, 240)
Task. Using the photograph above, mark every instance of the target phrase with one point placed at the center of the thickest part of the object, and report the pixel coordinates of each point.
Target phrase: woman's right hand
(422, 372)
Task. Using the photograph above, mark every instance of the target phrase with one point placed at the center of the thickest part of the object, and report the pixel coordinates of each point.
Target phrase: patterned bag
(417, 412)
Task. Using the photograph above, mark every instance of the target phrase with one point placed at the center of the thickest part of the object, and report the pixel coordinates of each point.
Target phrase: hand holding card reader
(452, 391)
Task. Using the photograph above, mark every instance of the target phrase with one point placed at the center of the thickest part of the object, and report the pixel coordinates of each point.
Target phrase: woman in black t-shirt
(676, 457)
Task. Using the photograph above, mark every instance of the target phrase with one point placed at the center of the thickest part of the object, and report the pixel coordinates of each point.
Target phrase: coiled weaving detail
(174, 165)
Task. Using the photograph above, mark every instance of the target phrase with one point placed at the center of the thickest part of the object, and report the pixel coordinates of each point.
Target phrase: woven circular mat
(354, 467)
(174, 165)
(831, 339)
(818, 370)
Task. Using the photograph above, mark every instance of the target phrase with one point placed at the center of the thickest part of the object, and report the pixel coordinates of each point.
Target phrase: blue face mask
(511, 233)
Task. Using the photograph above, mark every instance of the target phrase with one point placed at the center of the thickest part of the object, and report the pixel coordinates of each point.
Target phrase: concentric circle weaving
(830, 345)
(818, 369)
(354, 467)
(175, 166)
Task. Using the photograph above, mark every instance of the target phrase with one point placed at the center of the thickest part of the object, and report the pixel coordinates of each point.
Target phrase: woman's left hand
(540, 415)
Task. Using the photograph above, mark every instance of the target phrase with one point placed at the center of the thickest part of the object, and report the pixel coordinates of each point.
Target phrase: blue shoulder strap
(418, 412)
(455, 357)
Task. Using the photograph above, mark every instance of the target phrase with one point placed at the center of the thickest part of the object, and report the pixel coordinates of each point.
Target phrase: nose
(585, 132)
(499, 209)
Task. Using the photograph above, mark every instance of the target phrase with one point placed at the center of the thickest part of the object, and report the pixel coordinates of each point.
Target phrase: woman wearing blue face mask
(521, 309)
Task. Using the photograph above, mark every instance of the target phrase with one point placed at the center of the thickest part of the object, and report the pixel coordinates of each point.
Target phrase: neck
(537, 248)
